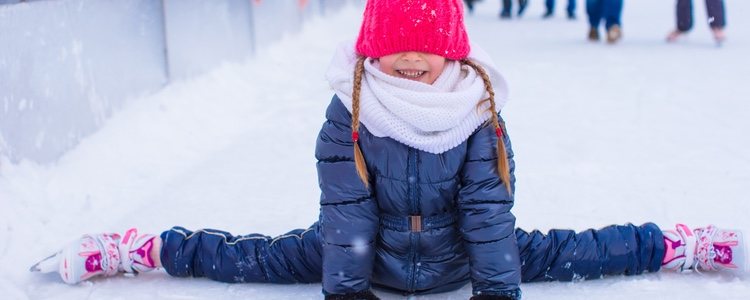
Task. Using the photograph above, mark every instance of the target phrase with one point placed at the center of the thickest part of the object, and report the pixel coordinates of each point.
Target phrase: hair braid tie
(499, 132)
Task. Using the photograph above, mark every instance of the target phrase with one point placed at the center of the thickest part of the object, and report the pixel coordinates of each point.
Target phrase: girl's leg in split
(290, 258)
(564, 255)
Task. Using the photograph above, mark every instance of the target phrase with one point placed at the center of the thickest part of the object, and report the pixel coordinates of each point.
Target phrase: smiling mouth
(411, 74)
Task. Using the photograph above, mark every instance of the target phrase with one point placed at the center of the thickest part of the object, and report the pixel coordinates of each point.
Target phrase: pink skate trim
(723, 255)
(88, 275)
(94, 263)
(131, 232)
(65, 272)
(145, 252)
(726, 244)
(88, 253)
(685, 229)
(670, 246)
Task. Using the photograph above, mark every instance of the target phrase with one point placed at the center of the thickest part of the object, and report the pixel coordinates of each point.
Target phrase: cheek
(386, 66)
(436, 70)
(389, 71)
(432, 78)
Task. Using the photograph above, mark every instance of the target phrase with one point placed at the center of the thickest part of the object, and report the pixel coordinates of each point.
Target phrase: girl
(416, 177)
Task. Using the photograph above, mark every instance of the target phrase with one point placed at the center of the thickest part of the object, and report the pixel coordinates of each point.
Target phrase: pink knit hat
(432, 26)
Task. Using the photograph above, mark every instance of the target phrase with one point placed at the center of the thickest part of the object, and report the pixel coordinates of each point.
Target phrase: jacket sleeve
(486, 223)
(348, 212)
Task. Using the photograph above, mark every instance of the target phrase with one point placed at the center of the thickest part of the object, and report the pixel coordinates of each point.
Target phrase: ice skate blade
(47, 265)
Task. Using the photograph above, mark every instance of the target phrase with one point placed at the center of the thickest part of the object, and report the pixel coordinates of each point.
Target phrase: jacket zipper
(413, 210)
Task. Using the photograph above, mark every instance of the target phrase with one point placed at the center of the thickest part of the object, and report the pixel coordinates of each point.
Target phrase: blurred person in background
(609, 11)
(550, 5)
(470, 5)
(716, 19)
(506, 12)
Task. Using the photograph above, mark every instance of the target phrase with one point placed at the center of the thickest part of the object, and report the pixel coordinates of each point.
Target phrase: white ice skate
(100, 254)
(704, 249)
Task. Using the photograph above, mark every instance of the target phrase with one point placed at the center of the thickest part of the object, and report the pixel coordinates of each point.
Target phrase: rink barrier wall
(67, 65)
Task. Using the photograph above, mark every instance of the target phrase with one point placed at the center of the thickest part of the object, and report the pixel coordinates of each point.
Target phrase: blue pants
(295, 257)
(571, 9)
(609, 10)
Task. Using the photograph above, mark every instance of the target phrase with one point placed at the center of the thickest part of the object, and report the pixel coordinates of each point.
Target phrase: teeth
(411, 74)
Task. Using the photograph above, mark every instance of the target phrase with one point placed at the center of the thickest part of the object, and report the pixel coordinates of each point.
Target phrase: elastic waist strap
(417, 223)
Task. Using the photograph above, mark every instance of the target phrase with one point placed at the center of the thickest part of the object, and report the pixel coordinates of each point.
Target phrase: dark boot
(593, 34)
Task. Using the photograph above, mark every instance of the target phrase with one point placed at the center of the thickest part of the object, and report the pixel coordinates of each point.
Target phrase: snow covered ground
(641, 131)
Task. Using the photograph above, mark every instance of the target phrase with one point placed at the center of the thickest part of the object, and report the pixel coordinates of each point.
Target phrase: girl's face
(412, 65)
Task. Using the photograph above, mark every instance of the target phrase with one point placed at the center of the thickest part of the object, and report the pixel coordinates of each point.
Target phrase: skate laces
(134, 250)
(110, 257)
(704, 252)
(124, 254)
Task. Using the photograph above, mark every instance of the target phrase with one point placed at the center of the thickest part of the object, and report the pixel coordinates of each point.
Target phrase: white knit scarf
(433, 118)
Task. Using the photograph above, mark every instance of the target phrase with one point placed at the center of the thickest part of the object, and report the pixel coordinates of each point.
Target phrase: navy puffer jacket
(368, 236)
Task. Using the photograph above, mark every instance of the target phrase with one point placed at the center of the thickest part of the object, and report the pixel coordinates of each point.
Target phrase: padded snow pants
(295, 257)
